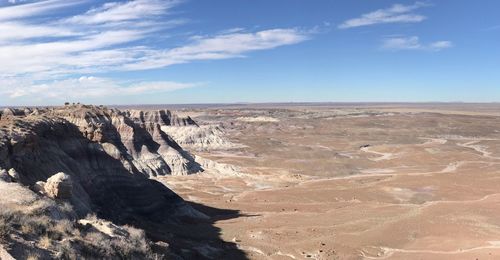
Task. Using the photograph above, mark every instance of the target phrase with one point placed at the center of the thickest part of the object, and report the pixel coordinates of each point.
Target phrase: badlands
(354, 181)
(267, 181)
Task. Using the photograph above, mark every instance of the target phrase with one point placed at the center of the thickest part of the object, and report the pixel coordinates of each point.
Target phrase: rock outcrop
(133, 137)
(102, 161)
(13, 174)
(59, 186)
(109, 156)
(4, 176)
(200, 138)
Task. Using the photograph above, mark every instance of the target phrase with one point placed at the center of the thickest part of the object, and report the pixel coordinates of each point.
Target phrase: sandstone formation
(109, 155)
(133, 137)
(59, 186)
(200, 138)
(13, 174)
(103, 161)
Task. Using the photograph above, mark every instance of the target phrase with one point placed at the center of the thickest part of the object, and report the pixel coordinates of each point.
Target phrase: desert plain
(352, 181)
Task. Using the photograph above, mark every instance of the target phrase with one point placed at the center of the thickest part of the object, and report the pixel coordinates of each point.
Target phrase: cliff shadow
(194, 238)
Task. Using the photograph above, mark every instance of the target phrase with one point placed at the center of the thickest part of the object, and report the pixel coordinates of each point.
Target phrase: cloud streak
(31, 10)
(413, 43)
(397, 13)
(41, 43)
(116, 12)
(220, 47)
(86, 87)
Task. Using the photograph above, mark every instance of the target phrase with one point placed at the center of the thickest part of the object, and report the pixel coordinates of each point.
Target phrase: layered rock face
(200, 138)
(133, 137)
(109, 155)
(180, 161)
(103, 161)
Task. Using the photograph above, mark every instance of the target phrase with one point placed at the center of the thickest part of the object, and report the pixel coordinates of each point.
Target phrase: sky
(231, 51)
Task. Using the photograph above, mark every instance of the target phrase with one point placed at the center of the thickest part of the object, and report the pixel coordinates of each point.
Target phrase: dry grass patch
(66, 239)
(45, 242)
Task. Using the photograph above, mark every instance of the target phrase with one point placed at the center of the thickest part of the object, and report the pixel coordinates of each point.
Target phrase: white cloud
(14, 31)
(413, 43)
(113, 37)
(46, 57)
(220, 47)
(395, 14)
(30, 10)
(124, 11)
(85, 87)
(440, 45)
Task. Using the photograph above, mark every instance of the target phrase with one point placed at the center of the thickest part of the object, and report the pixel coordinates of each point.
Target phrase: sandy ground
(367, 183)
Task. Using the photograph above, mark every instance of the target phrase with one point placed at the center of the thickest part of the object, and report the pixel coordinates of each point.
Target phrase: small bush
(33, 256)
(64, 227)
(5, 230)
(69, 240)
(45, 242)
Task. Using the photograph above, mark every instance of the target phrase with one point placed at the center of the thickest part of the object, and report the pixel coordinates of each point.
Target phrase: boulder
(4, 176)
(13, 174)
(39, 187)
(59, 186)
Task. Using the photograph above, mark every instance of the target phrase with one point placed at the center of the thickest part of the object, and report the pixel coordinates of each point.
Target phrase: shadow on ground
(201, 239)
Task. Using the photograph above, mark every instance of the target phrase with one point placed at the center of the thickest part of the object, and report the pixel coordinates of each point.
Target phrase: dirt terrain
(367, 182)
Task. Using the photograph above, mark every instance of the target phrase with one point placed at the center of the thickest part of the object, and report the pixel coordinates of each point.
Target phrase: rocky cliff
(105, 156)
(109, 156)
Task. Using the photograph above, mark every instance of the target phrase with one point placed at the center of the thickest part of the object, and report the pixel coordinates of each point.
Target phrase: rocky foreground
(79, 182)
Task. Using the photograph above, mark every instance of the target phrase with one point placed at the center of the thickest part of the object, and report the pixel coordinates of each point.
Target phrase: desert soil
(355, 183)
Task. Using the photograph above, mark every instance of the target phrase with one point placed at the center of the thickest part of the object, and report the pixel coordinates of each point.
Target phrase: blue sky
(226, 51)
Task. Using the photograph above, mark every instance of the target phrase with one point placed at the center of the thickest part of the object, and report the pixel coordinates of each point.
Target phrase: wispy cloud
(115, 12)
(34, 9)
(413, 43)
(15, 31)
(397, 13)
(41, 43)
(86, 87)
(221, 46)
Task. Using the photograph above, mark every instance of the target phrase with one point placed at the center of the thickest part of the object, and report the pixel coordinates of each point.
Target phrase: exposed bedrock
(59, 186)
(105, 155)
(134, 137)
(100, 182)
(101, 161)
(161, 117)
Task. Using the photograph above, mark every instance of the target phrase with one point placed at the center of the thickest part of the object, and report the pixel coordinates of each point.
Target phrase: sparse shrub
(4, 230)
(33, 256)
(66, 251)
(138, 241)
(35, 222)
(45, 242)
(34, 225)
(64, 227)
(66, 208)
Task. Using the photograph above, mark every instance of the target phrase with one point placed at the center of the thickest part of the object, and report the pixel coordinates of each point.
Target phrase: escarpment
(102, 161)
(108, 155)
(134, 137)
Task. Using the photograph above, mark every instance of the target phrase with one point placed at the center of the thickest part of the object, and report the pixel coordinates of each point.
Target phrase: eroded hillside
(67, 163)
